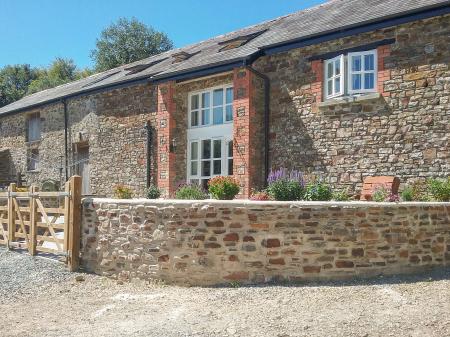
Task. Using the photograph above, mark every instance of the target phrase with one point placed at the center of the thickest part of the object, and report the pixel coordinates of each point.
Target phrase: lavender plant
(286, 185)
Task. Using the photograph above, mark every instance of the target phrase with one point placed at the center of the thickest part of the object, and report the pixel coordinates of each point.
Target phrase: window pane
(205, 100)
(218, 97)
(330, 70)
(369, 63)
(194, 118)
(356, 81)
(206, 149)
(337, 84)
(369, 81)
(218, 115)
(330, 87)
(194, 102)
(217, 148)
(217, 169)
(356, 63)
(230, 149)
(206, 168)
(194, 181)
(229, 97)
(194, 168)
(205, 117)
(230, 167)
(229, 113)
(194, 150)
(337, 67)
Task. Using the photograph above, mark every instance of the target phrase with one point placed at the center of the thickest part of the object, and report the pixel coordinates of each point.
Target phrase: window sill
(33, 171)
(364, 98)
(33, 142)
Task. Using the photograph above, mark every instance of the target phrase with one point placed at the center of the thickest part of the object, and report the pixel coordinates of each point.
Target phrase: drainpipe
(149, 130)
(266, 119)
(66, 145)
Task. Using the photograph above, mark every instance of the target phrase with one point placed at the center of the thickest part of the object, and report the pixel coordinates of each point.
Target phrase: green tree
(127, 41)
(14, 82)
(61, 71)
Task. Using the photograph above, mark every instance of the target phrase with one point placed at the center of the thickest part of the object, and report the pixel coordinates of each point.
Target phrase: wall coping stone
(229, 203)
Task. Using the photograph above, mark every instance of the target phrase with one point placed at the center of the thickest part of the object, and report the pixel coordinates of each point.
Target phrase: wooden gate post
(66, 219)
(34, 218)
(74, 223)
(11, 214)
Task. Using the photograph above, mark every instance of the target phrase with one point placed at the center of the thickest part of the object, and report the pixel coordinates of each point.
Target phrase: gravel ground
(39, 298)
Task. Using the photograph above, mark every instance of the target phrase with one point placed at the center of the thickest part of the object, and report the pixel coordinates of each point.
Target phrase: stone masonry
(218, 242)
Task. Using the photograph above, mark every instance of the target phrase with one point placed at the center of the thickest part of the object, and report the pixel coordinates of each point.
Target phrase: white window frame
(211, 106)
(34, 127)
(362, 72)
(334, 77)
(224, 132)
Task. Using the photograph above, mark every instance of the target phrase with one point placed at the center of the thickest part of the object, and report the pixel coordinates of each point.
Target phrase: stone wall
(404, 131)
(110, 123)
(216, 242)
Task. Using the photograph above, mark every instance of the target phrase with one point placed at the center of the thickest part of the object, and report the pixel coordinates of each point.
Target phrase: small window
(33, 127)
(33, 160)
(333, 77)
(211, 107)
(362, 72)
(351, 74)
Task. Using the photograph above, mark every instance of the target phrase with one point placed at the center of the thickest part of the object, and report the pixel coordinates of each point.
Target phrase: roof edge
(367, 26)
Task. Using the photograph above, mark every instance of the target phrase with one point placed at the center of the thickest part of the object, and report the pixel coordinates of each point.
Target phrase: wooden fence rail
(47, 222)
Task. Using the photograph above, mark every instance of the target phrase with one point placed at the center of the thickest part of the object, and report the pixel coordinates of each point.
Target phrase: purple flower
(283, 174)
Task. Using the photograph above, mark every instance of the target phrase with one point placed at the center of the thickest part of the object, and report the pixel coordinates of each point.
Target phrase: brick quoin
(165, 133)
(383, 73)
(243, 130)
(317, 85)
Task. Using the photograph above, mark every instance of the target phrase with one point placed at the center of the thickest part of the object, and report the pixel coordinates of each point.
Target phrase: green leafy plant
(380, 194)
(286, 186)
(153, 192)
(342, 195)
(439, 189)
(190, 192)
(260, 196)
(318, 191)
(223, 188)
(407, 194)
(122, 192)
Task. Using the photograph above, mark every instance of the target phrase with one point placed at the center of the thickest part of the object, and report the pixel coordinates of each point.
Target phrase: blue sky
(37, 31)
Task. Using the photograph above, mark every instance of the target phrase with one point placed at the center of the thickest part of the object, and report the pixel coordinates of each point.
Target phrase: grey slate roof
(330, 16)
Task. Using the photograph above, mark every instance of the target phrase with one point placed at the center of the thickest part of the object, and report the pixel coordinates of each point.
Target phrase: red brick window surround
(380, 74)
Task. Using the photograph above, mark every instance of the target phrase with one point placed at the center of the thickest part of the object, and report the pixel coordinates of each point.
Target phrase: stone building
(343, 90)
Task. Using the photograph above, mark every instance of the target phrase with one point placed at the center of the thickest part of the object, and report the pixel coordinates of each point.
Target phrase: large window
(211, 107)
(208, 158)
(210, 134)
(33, 160)
(354, 73)
(34, 127)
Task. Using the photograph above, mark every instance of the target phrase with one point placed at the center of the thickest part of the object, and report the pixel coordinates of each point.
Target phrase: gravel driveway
(39, 298)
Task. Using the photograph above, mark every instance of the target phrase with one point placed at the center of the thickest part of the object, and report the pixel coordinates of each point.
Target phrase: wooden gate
(47, 222)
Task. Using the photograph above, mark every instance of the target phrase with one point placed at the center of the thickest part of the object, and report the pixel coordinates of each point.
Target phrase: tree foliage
(61, 71)
(14, 82)
(127, 41)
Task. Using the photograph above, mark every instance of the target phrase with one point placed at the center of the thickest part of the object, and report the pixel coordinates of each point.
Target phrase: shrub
(420, 191)
(191, 192)
(380, 194)
(318, 191)
(439, 189)
(260, 196)
(153, 192)
(223, 188)
(122, 192)
(407, 194)
(286, 186)
(341, 195)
